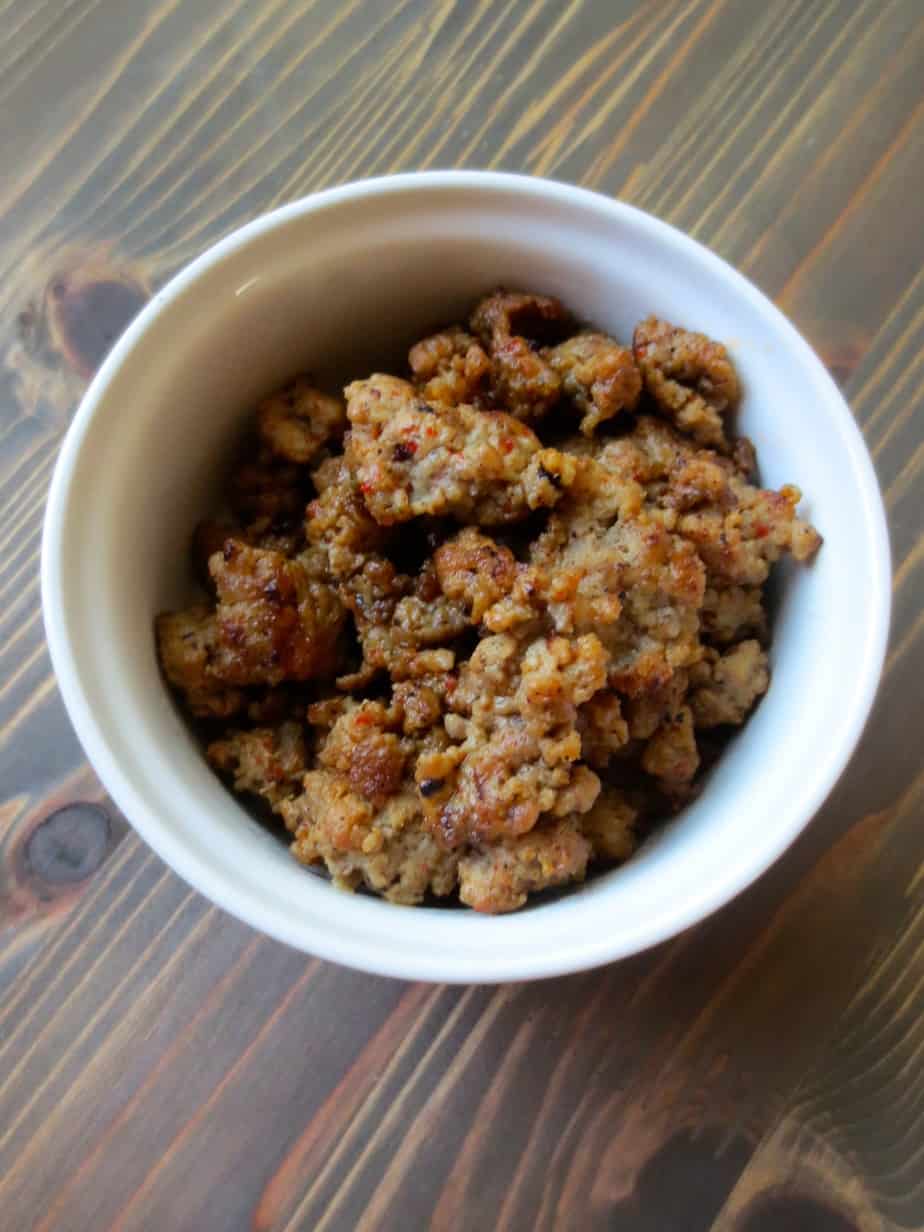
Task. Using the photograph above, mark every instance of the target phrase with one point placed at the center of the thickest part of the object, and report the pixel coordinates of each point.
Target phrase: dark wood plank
(163, 1066)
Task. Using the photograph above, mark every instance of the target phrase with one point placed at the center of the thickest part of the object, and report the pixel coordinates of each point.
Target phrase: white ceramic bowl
(335, 284)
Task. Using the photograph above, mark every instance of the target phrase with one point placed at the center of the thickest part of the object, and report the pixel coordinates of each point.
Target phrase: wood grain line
(155, 237)
(45, 42)
(87, 1030)
(904, 307)
(713, 113)
(434, 116)
(214, 998)
(11, 32)
(757, 155)
(337, 143)
(352, 1138)
(655, 90)
(102, 954)
(35, 986)
(386, 1191)
(451, 1076)
(17, 189)
(908, 132)
(191, 105)
(760, 73)
(311, 970)
(489, 71)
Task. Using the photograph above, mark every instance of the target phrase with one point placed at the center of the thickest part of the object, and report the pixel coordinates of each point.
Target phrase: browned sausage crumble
(471, 631)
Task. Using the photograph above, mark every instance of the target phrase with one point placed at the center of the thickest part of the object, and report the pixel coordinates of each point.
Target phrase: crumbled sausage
(452, 368)
(610, 826)
(264, 761)
(724, 688)
(525, 383)
(298, 421)
(187, 643)
(274, 622)
(598, 375)
(461, 461)
(454, 658)
(689, 376)
(501, 877)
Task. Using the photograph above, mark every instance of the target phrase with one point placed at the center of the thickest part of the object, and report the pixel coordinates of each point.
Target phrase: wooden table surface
(164, 1067)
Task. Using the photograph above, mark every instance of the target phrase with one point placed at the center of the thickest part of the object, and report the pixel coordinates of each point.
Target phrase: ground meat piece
(730, 613)
(362, 748)
(274, 622)
(525, 384)
(543, 681)
(610, 826)
(372, 594)
(620, 574)
(265, 487)
(476, 570)
(339, 523)
(412, 460)
(744, 456)
(298, 421)
(598, 375)
(671, 755)
(737, 529)
(265, 761)
(603, 729)
(500, 877)
(282, 534)
(386, 849)
(275, 703)
(675, 473)
(689, 376)
(187, 644)
(508, 314)
(496, 784)
(419, 703)
(725, 687)
(646, 712)
(323, 714)
(549, 474)
(396, 629)
(208, 538)
(515, 713)
(418, 623)
(508, 323)
(452, 368)
(738, 545)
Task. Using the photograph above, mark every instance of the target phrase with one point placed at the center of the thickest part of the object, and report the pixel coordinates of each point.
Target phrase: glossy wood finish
(161, 1066)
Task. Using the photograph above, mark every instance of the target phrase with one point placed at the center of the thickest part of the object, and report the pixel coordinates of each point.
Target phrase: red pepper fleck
(431, 432)
(451, 683)
(762, 531)
(365, 488)
(507, 445)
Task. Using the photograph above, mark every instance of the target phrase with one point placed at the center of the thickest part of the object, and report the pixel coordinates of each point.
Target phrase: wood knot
(795, 1213)
(87, 314)
(69, 845)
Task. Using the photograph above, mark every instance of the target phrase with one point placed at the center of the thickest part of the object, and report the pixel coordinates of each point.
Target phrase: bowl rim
(564, 956)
